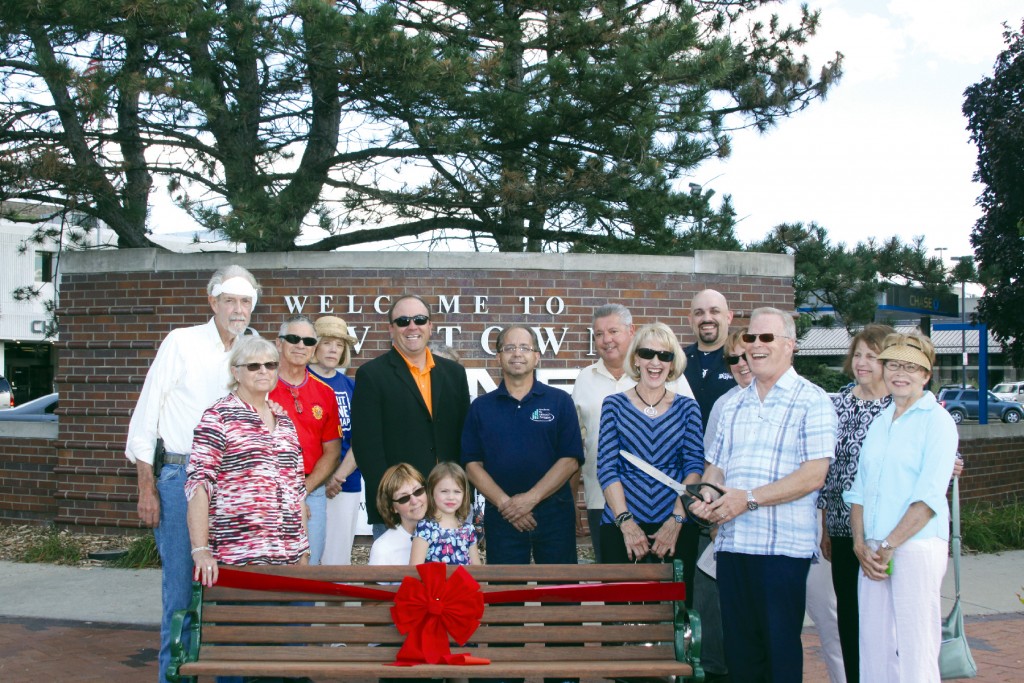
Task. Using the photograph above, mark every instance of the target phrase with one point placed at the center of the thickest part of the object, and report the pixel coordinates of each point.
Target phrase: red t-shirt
(318, 422)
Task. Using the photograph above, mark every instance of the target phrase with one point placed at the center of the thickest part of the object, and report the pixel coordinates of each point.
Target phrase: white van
(1010, 391)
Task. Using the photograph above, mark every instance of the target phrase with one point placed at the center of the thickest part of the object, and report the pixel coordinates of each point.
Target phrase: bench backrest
(235, 621)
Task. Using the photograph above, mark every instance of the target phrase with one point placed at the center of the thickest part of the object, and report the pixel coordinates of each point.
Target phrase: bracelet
(622, 518)
(202, 547)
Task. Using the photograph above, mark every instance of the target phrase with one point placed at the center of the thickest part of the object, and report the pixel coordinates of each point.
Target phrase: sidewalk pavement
(101, 624)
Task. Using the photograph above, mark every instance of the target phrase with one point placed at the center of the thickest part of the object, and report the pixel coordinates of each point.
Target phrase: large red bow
(434, 608)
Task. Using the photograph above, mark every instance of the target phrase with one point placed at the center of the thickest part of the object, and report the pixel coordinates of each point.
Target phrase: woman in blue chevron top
(642, 517)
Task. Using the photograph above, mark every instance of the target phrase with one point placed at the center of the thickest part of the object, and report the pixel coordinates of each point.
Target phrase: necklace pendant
(651, 411)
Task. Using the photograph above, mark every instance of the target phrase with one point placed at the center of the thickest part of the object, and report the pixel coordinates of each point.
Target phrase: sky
(888, 152)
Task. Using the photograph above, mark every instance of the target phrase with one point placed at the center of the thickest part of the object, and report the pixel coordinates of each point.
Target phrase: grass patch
(141, 554)
(987, 528)
(55, 547)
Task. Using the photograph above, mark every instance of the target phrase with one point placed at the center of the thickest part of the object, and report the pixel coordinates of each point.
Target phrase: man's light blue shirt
(761, 442)
(904, 461)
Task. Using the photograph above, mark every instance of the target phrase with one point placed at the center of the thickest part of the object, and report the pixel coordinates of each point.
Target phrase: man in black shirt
(709, 378)
(706, 371)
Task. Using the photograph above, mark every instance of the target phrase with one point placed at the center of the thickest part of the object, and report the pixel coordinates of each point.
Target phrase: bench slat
(377, 614)
(488, 634)
(501, 574)
(386, 654)
(569, 669)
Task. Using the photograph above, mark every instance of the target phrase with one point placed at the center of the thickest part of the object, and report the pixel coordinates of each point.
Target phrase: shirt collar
(413, 368)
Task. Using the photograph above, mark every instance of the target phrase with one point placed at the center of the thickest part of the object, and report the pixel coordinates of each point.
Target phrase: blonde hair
(658, 332)
(452, 470)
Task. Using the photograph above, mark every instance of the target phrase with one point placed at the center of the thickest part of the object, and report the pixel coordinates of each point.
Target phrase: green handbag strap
(955, 516)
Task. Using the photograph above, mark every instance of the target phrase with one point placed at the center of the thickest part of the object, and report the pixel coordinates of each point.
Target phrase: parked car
(6, 394)
(37, 410)
(962, 404)
(1010, 391)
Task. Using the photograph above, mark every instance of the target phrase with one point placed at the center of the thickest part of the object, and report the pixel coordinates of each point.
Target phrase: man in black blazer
(408, 405)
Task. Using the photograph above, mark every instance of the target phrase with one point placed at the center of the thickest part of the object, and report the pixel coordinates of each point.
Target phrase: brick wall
(994, 463)
(116, 306)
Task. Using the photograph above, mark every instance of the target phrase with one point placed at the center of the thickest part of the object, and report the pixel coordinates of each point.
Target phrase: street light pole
(963, 320)
(942, 251)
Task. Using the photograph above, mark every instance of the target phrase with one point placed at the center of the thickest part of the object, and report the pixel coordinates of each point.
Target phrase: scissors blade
(652, 471)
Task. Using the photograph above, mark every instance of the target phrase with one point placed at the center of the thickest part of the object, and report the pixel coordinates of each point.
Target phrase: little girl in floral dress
(446, 534)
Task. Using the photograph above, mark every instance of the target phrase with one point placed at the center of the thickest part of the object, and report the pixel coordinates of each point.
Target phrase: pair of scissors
(690, 493)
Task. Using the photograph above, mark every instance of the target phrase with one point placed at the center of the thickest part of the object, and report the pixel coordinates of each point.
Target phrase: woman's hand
(664, 541)
(826, 545)
(206, 568)
(873, 563)
(958, 466)
(303, 559)
(637, 546)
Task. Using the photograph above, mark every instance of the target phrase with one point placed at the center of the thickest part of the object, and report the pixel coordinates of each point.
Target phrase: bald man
(706, 371)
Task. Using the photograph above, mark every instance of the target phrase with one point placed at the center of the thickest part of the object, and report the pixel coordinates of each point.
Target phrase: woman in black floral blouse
(857, 405)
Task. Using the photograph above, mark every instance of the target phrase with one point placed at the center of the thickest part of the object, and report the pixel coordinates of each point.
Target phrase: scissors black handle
(692, 495)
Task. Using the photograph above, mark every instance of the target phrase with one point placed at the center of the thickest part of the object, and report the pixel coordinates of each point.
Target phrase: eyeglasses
(295, 339)
(648, 354)
(521, 348)
(255, 367)
(295, 397)
(765, 337)
(897, 366)
(733, 360)
(404, 320)
(402, 500)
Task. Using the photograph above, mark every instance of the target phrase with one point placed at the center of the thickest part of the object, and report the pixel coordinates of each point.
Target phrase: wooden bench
(256, 633)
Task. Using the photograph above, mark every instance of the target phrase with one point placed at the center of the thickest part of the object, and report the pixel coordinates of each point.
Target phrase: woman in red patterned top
(245, 484)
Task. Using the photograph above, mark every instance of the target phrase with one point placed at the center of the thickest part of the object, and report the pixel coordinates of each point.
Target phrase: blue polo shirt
(519, 441)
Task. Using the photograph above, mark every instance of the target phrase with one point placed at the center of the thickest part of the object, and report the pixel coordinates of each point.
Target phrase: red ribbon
(431, 610)
(434, 607)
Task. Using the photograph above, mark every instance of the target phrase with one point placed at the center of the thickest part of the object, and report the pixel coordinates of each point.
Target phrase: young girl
(446, 534)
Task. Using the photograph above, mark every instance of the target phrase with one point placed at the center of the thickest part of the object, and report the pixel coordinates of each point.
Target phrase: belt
(175, 458)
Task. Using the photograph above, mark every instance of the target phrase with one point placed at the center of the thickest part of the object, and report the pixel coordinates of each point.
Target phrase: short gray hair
(298, 318)
(614, 309)
(245, 350)
(788, 324)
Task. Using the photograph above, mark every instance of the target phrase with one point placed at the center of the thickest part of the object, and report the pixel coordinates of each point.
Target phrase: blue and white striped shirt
(761, 442)
(672, 442)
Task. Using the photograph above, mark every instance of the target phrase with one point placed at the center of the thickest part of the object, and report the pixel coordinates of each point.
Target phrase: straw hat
(907, 349)
(331, 326)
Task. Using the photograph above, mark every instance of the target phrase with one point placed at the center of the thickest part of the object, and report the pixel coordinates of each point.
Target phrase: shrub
(987, 528)
(57, 547)
(141, 554)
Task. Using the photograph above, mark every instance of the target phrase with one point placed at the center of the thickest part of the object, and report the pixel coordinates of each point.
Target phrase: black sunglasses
(733, 360)
(648, 354)
(255, 367)
(765, 337)
(402, 500)
(295, 339)
(404, 320)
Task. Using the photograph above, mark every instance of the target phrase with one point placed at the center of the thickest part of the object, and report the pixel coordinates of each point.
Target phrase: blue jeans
(316, 526)
(172, 542)
(763, 598)
(552, 542)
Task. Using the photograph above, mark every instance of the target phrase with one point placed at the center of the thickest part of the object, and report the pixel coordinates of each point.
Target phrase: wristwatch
(751, 503)
(885, 545)
(678, 518)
